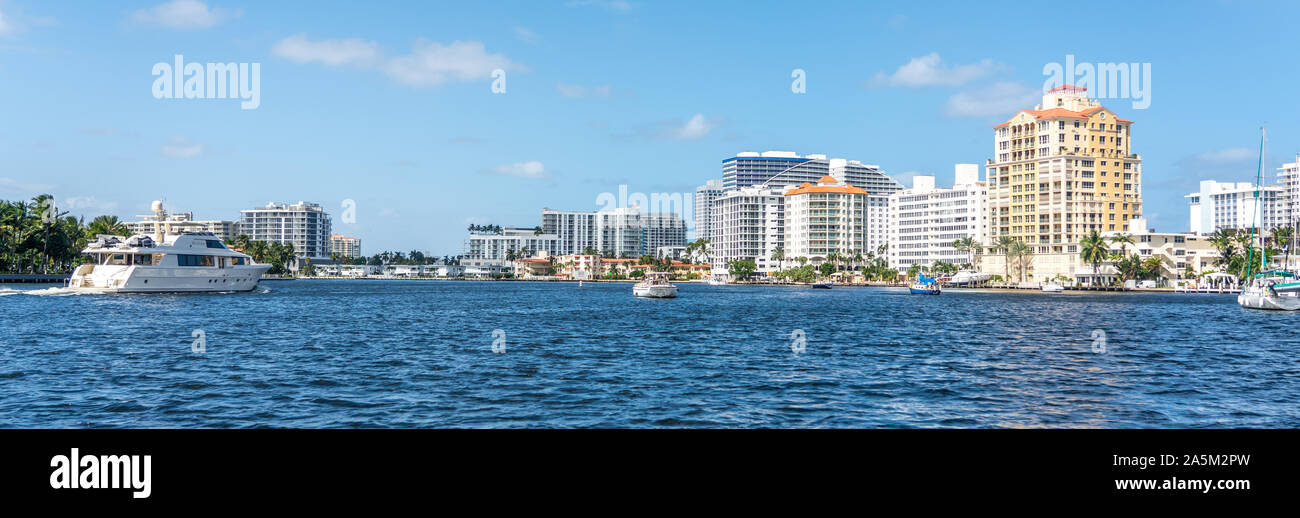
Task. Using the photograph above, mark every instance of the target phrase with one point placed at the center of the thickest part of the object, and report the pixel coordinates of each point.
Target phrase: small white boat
(165, 263)
(655, 286)
(1053, 287)
(717, 281)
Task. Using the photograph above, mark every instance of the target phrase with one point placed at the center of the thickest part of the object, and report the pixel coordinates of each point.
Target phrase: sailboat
(1269, 289)
(924, 286)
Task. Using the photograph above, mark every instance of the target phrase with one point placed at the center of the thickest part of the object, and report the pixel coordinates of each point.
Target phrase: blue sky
(391, 104)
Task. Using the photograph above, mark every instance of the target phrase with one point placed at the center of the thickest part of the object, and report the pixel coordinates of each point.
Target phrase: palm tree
(1004, 244)
(1093, 250)
(778, 255)
(1153, 265)
(107, 225)
(965, 244)
(1123, 240)
(1020, 251)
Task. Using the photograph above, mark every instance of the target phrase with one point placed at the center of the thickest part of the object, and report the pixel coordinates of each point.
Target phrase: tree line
(37, 238)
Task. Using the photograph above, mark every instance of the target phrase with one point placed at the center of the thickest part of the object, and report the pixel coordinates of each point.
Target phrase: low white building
(185, 222)
(925, 220)
(491, 249)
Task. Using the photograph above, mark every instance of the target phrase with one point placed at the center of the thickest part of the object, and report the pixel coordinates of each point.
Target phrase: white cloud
(6, 28)
(432, 63)
(351, 51)
(696, 128)
(23, 188)
(526, 35)
(184, 14)
(533, 170)
(178, 146)
(930, 70)
(612, 5)
(998, 99)
(1236, 154)
(84, 203)
(580, 92)
(428, 64)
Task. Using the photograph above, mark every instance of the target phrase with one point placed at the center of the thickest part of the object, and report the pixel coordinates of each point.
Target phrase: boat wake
(47, 292)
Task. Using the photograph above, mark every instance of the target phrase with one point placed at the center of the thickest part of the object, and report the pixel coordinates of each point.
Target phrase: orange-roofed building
(1060, 171)
(828, 217)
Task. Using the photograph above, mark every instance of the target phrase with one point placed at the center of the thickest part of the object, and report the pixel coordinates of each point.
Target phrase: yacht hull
(655, 292)
(144, 279)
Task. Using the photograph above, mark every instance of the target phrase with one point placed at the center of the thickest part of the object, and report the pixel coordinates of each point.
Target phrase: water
(420, 354)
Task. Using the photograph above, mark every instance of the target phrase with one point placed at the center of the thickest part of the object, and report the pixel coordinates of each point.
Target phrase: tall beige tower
(1061, 170)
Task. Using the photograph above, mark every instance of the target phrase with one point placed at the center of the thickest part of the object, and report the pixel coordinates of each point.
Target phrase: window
(212, 243)
(194, 260)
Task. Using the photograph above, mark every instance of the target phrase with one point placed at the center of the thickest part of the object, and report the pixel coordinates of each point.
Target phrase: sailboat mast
(1259, 196)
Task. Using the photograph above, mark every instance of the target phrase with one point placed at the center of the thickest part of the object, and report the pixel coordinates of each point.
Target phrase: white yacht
(655, 286)
(166, 262)
(1053, 287)
(970, 277)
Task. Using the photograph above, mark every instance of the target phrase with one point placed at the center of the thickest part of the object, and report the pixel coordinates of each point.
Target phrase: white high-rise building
(622, 232)
(788, 168)
(1227, 205)
(925, 220)
(748, 223)
(1288, 176)
(304, 225)
(705, 195)
(878, 222)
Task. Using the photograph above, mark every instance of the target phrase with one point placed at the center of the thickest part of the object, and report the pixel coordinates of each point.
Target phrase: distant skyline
(392, 106)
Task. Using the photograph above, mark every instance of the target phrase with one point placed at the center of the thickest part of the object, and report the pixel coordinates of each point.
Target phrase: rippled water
(419, 354)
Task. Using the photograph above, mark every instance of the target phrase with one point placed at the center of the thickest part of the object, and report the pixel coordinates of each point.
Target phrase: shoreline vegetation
(62, 279)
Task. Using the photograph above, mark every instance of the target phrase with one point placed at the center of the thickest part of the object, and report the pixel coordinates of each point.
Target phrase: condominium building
(1062, 170)
(304, 225)
(748, 224)
(1288, 177)
(662, 231)
(788, 168)
(185, 222)
(490, 248)
(621, 232)
(925, 220)
(343, 246)
(1234, 206)
(825, 218)
(704, 198)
